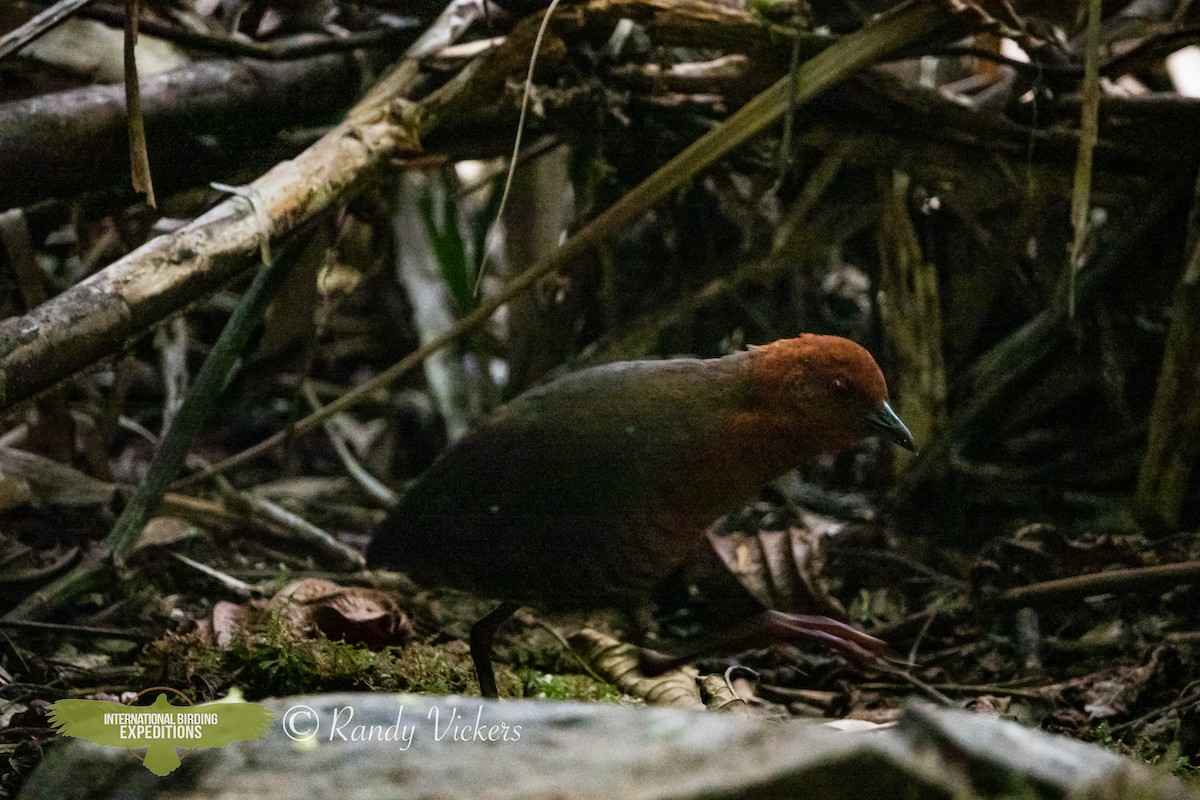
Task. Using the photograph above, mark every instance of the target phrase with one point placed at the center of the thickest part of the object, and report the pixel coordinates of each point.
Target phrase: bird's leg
(483, 633)
(643, 627)
(768, 626)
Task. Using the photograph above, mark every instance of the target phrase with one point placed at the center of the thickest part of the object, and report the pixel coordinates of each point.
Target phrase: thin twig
(369, 483)
(283, 49)
(569, 650)
(1076, 586)
(729, 681)
(930, 690)
(292, 526)
(516, 150)
(1089, 133)
(238, 587)
(43, 23)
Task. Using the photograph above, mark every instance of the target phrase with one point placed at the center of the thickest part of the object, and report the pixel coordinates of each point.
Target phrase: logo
(161, 727)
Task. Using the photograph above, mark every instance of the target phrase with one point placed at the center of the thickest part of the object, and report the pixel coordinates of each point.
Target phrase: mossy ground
(268, 660)
(1144, 749)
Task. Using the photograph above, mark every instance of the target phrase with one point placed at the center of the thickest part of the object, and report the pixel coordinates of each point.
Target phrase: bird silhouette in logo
(161, 727)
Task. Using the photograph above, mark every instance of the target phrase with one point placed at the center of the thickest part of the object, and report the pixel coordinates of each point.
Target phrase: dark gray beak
(886, 421)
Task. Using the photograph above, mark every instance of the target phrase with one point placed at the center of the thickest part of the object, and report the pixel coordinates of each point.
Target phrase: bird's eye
(839, 385)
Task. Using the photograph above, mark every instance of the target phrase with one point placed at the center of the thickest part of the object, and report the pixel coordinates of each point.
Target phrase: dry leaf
(783, 569)
(162, 531)
(618, 663)
(352, 614)
(227, 619)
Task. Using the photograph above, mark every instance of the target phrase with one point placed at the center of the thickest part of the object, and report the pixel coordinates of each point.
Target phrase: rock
(377, 745)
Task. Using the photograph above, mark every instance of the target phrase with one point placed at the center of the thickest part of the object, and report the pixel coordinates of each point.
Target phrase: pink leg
(776, 626)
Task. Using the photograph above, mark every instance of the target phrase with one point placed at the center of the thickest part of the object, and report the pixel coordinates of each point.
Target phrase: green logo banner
(161, 727)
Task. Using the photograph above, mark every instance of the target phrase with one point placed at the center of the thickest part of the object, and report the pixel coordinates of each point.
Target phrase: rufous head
(831, 387)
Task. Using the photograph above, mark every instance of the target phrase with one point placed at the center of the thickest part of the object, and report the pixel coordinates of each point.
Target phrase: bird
(589, 490)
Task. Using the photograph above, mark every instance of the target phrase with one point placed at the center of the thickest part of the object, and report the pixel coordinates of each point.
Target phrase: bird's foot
(776, 627)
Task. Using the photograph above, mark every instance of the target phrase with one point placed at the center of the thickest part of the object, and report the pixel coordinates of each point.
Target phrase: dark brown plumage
(588, 491)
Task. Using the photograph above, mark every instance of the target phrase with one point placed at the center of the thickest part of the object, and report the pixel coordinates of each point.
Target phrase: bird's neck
(746, 440)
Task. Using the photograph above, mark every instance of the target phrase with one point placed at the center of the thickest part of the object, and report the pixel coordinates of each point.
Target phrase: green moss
(433, 670)
(1184, 768)
(272, 662)
(1145, 749)
(568, 687)
(268, 659)
(182, 661)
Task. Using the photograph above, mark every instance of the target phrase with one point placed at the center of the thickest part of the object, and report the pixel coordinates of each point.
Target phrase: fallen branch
(282, 49)
(98, 316)
(1117, 580)
(71, 142)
